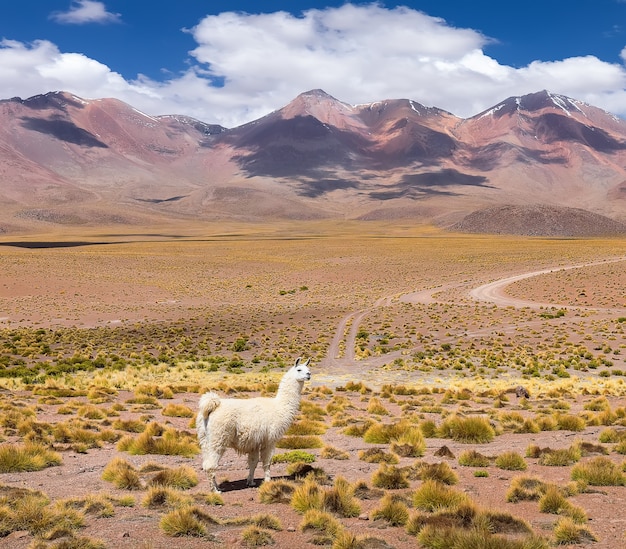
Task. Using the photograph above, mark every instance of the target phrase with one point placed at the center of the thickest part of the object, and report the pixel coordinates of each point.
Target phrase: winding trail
(341, 355)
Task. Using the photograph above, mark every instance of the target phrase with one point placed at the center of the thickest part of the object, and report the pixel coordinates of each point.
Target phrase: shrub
(472, 458)
(390, 477)
(329, 452)
(18, 458)
(567, 531)
(325, 527)
(171, 443)
(307, 496)
(177, 410)
(183, 522)
(410, 443)
(340, 499)
(467, 430)
(183, 478)
(568, 422)
(121, 474)
(276, 491)
(599, 471)
(383, 433)
(526, 488)
(441, 472)
(433, 496)
(294, 457)
(511, 461)
(298, 442)
(377, 455)
(253, 536)
(561, 457)
(391, 509)
(307, 427)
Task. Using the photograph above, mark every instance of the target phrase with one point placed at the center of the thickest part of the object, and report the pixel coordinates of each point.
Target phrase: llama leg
(266, 458)
(253, 460)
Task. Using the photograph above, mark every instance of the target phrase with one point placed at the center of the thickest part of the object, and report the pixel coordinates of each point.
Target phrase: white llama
(250, 426)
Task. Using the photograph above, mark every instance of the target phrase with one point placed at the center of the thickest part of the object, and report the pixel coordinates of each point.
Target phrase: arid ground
(418, 341)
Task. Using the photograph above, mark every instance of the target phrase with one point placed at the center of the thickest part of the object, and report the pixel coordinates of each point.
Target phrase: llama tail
(208, 403)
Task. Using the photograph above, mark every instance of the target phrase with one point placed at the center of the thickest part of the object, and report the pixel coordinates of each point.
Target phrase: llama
(250, 426)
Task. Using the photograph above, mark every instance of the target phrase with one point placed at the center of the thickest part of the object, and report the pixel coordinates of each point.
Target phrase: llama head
(301, 370)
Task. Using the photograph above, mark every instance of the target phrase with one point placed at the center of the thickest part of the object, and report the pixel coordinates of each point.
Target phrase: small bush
(276, 491)
(299, 442)
(560, 457)
(177, 410)
(377, 455)
(339, 499)
(182, 478)
(567, 532)
(324, 526)
(511, 461)
(433, 496)
(390, 477)
(330, 452)
(467, 430)
(526, 489)
(183, 522)
(472, 458)
(295, 456)
(122, 475)
(18, 458)
(253, 536)
(441, 472)
(391, 509)
(307, 496)
(599, 471)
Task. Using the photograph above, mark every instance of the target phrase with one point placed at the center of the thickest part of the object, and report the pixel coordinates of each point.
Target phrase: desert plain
(411, 432)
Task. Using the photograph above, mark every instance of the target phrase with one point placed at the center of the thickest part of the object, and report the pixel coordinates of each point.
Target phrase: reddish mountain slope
(66, 160)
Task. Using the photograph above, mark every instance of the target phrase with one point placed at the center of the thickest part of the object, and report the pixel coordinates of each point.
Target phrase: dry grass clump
(566, 532)
(323, 525)
(384, 433)
(29, 510)
(599, 471)
(376, 407)
(129, 425)
(307, 427)
(378, 455)
(298, 442)
(567, 422)
(410, 443)
(434, 496)
(392, 509)
(307, 496)
(526, 488)
(560, 457)
(158, 440)
(511, 461)
(472, 458)
(554, 501)
(432, 537)
(187, 521)
(295, 456)
(330, 452)
(390, 477)
(276, 491)
(339, 499)
(31, 456)
(440, 472)
(253, 536)
(177, 410)
(472, 429)
(122, 474)
(158, 497)
(182, 478)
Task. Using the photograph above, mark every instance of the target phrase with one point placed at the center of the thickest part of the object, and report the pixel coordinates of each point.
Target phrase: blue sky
(232, 62)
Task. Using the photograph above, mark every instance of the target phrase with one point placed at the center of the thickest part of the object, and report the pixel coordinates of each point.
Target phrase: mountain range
(538, 164)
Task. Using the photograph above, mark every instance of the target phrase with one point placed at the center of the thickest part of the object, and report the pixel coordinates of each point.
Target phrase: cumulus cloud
(86, 11)
(246, 65)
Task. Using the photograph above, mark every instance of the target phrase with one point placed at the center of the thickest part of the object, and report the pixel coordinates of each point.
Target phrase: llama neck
(288, 396)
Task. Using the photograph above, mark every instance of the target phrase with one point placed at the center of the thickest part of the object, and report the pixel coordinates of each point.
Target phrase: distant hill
(539, 164)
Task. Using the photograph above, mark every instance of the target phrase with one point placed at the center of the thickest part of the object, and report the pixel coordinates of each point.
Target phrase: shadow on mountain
(64, 131)
(430, 184)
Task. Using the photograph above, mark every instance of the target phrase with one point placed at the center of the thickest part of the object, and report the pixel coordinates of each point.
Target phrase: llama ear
(307, 362)
(298, 361)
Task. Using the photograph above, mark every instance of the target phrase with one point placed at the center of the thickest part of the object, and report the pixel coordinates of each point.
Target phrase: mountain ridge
(68, 161)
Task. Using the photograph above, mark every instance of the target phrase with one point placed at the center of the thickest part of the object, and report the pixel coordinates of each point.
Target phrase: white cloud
(248, 65)
(86, 11)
